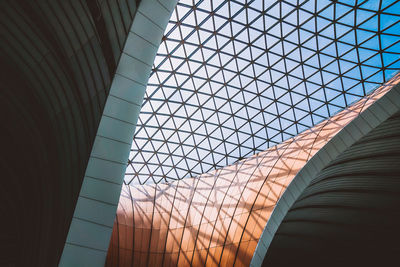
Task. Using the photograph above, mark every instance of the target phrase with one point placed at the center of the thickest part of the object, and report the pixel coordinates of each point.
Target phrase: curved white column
(378, 112)
(91, 227)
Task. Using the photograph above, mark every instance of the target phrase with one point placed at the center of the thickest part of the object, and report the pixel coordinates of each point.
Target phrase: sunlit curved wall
(345, 177)
(348, 214)
(218, 218)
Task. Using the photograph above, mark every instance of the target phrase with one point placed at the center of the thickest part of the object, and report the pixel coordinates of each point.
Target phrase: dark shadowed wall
(57, 60)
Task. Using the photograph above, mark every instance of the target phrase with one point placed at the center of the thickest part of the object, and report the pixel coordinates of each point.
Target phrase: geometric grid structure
(218, 219)
(232, 78)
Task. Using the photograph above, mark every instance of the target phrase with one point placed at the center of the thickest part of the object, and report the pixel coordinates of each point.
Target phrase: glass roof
(232, 78)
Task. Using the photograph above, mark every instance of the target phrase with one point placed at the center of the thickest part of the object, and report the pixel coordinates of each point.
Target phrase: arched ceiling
(232, 78)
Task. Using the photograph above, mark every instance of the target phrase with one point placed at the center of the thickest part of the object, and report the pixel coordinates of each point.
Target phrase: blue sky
(233, 78)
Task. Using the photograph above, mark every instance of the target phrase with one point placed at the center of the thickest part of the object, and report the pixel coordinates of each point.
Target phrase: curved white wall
(91, 227)
(370, 118)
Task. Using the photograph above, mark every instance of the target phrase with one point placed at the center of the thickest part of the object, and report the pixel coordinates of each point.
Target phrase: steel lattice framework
(232, 78)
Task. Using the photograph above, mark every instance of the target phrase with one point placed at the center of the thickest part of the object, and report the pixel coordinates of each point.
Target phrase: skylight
(232, 78)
